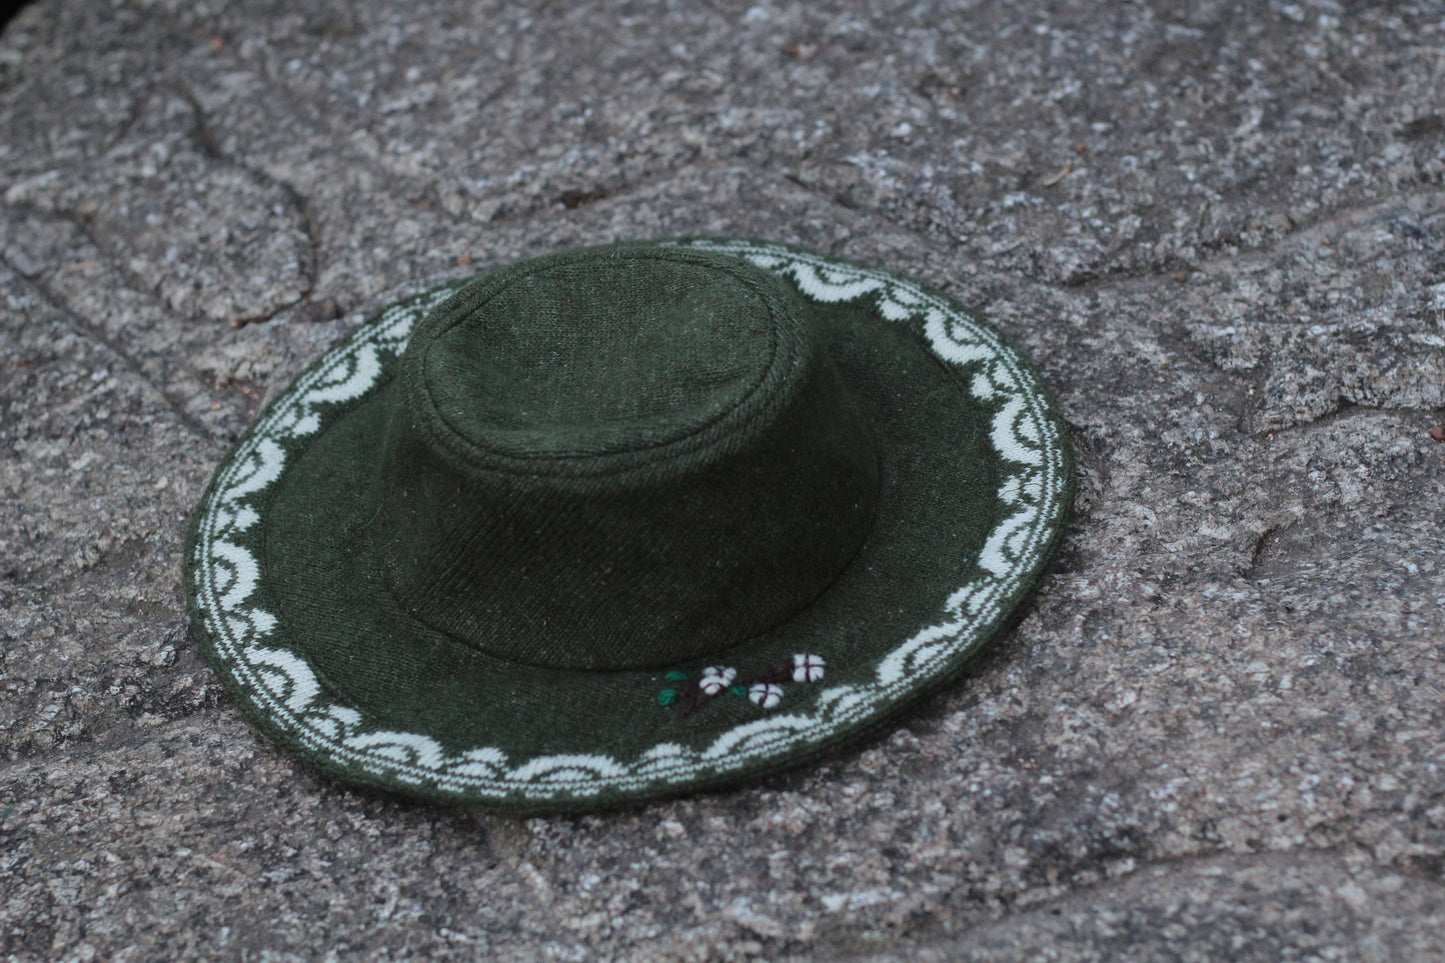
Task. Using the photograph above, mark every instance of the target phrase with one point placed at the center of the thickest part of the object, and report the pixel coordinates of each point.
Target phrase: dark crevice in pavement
(932, 232)
(1345, 215)
(205, 139)
(942, 243)
(399, 189)
(922, 233)
(86, 329)
(113, 260)
(835, 197)
(1172, 266)
(102, 743)
(133, 116)
(1226, 863)
(1175, 336)
(1261, 548)
(122, 720)
(1347, 409)
(1250, 409)
(577, 197)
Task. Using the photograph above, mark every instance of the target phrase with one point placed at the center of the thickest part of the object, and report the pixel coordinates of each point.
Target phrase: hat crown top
(573, 359)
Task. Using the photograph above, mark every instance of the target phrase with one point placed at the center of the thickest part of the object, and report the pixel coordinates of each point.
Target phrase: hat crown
(572, 359)
(618, 458)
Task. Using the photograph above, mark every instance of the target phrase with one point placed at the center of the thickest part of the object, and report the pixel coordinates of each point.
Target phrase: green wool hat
(625, 522)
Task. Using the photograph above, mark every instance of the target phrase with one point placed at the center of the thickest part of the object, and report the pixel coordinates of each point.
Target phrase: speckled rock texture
(1218, 227)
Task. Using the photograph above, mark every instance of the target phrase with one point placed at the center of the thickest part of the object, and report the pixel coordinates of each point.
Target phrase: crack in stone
(922, 235)
(204, 145)
(1345, 408)
(1347, 214)
(1085, 895)
(210, 148)
(1261, 545)
(85, 225)
(87, 329)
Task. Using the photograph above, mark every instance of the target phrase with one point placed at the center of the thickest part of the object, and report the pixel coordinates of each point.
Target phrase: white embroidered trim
(283, 687)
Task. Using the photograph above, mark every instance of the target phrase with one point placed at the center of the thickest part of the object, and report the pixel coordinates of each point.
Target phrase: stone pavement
(1219, 229)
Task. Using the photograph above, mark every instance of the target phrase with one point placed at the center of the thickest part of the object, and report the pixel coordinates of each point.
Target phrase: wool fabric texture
(625, 522)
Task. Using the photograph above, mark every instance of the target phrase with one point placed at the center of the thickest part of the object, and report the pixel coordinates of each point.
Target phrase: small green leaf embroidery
(667, 697)
(675, 676)
(738, 690)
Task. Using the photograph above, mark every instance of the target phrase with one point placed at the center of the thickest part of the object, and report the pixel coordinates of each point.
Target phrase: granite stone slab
(1218, 227)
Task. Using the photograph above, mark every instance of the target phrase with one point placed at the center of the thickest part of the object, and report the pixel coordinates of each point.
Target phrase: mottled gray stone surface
(1219, 229)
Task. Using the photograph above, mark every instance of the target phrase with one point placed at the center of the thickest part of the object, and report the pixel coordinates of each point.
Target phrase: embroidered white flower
(716, 678)
(807, 668)
(765, 694)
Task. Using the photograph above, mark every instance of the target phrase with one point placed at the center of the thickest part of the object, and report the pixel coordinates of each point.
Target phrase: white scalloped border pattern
(283, 688)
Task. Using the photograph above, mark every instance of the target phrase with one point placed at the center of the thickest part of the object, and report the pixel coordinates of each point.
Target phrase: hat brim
(287, 605)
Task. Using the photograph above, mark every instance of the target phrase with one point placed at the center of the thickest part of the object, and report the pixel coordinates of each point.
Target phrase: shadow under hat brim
(400, 706)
